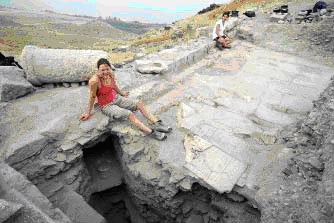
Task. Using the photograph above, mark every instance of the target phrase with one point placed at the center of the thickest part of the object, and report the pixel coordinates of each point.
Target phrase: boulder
(46, 66)
(13, 84)
(151, 66)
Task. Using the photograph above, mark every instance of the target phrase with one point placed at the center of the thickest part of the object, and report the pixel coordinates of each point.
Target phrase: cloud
(175, 9)
(83, 7)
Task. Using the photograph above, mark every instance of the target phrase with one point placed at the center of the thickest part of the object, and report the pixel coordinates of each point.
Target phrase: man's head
(102, 61)
(103, 66)
(225, 16)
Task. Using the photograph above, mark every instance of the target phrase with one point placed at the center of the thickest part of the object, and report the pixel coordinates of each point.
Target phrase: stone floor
(227, 111)
(230, 108)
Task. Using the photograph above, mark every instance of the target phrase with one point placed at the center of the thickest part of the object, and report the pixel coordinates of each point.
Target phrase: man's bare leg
(155, 134)
(142, 108)
(139, 125)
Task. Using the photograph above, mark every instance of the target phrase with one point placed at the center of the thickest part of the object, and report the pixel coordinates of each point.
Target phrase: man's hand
(84, 116)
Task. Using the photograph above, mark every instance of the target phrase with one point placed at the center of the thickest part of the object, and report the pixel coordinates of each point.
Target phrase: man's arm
(218, 31)
(92, 84)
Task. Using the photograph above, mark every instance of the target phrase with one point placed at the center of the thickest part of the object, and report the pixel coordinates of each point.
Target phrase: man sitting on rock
(219, 32)
(113, 102)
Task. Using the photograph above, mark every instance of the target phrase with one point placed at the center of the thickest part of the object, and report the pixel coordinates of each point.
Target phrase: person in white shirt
(219, 32)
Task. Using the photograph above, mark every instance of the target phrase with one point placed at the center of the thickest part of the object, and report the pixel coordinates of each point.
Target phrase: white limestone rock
(13, 84)
(151, 66)
(58, 65)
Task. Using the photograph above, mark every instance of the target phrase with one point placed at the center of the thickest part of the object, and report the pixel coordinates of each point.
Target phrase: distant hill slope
(45, 28)
(134, 27)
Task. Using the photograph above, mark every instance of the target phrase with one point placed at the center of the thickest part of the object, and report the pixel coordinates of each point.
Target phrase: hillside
(19, 27)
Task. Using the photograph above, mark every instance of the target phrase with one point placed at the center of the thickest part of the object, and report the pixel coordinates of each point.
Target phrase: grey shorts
(120, 108)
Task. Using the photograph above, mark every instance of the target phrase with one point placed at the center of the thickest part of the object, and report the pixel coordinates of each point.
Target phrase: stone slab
(76, 208)
(211, 165)
(24, 190)
(13, 85)
(182, 55)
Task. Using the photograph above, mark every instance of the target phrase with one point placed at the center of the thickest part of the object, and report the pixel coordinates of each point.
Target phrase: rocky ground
(306, 194)
(313, 40)
(301, 188)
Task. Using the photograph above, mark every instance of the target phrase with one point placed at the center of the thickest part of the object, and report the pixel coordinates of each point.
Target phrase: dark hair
(102, 61)
(226, 14)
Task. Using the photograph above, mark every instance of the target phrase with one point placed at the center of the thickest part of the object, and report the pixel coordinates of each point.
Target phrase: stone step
(8, 209)
(181, 55)
(29, 212)
(76, 208)
(31, 194)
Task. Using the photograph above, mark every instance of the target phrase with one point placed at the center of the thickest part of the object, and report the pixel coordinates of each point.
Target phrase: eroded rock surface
(229, 112)
(13, 85)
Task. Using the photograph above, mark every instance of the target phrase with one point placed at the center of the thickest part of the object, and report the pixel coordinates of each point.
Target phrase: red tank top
(105, 93)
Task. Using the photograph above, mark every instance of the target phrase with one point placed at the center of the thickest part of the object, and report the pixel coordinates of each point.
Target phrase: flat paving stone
(210, 164)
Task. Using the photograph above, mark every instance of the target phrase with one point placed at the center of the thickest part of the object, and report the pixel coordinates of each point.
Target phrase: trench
(111, 197)
(109, 194)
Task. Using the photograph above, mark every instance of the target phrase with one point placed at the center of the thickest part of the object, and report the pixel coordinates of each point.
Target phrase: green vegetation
(74, 32)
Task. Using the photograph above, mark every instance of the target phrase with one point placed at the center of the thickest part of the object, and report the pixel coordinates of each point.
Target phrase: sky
(144, 10)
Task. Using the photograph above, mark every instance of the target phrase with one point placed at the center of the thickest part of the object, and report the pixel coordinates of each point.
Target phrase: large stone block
(13, 84)
(211, 165)
(278, 17)
(151, 67)
(58, 65)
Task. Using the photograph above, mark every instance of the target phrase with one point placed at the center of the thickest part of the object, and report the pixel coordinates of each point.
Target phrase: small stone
(302, 13)
(67, 85)
(48, 86)
(287, 171)
(322, 12)
(61, 157)
(280, 22)
(75, 84)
